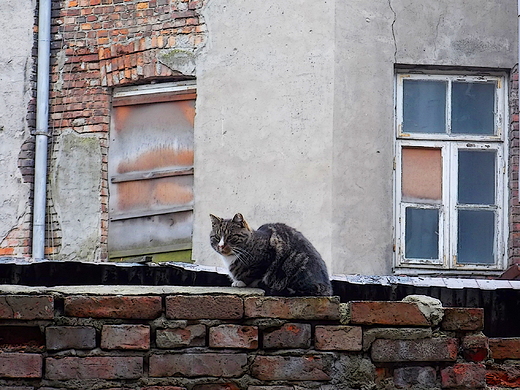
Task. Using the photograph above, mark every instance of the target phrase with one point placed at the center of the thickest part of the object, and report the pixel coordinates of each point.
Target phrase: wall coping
(130, 290)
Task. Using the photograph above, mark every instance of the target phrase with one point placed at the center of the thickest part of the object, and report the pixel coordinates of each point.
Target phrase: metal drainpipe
(42, 129)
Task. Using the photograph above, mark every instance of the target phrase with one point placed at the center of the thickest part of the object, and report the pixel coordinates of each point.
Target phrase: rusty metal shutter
(150, 170)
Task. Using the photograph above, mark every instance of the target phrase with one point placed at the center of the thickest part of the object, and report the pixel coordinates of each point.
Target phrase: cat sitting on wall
(276, 258)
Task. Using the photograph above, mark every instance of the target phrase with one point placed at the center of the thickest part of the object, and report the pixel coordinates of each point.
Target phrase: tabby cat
(276, 258)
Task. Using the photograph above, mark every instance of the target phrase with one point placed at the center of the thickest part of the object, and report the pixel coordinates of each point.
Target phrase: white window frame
(449, 145)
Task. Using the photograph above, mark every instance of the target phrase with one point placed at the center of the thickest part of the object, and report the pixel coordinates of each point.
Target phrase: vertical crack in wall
(393, 30)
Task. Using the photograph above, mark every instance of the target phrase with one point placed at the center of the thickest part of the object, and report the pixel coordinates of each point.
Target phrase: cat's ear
(239, 218)
(215, 220)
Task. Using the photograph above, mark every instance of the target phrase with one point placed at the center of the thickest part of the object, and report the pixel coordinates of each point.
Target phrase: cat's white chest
(228, 260)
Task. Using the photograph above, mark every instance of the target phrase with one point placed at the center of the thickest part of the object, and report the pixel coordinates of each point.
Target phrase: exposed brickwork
(456, 318)
(386, 313)
(196, 365)
(290, 335)
(292, 308)
(514, 156)
(341, 338)
(424, 350)
(20, 365)
(135, 337)
(113, 342)
(505, 348)
(70, 337)
(189, 336)
(464, 375)
(204, 306)
(26, 307)
(233, 336)
(113, 307)
(94, 367)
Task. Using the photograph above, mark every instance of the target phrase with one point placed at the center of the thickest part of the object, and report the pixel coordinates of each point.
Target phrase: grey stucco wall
(16, 19)
(295, 112)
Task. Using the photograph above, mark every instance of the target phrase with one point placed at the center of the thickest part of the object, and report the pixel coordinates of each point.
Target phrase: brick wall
(96, 45)
(209, 339)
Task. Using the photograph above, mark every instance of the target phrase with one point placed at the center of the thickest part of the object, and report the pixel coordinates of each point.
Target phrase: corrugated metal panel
(150, 172)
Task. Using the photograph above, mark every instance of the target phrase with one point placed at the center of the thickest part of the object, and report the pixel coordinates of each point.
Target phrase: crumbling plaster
(16, 65)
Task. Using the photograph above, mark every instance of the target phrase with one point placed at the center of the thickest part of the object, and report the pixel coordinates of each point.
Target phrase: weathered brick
(223, 307)
(386, 313)
(424, 350)
(415, 377)
(195, 365)
(297, 308)
(475, 348)
(307, 367)
(21, 339)
(189, 336)
(503, 375)
(27, 307)
(125, 337)
(270, 388)
(461, 318)
(505, 348)
(20, 365)
(114, 307)
(162, 388)
(340, 338)
(464, 375)
(94, 367)
(369, 335)
(233, 336)
(70, 337)
(217, 386)
(290, 335)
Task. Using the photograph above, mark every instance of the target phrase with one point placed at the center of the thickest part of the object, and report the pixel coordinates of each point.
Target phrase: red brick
(290, 335)
(464, 375)
(297, 308)
(70, 337)
(386, 313)
(225, 307)
(20, 365)
(125, 337)
(504, 375)
(189, 336)
(197, 365)
(98, 367)
(475, 348)
(505, 348)
(340, 338)
(113, 307)
(461, 318)
(27, 307)
(423, 350)
(162, 388)
(233, 336)
(217, 386)
(307, 367)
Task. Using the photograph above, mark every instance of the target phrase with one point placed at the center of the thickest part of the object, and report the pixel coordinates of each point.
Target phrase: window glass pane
(473, 106)
(421, 173)
(476, 237)
(476, 177)
(424, 106)
(422, 233)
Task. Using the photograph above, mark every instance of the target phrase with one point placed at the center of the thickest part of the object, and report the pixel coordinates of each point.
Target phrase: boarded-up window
(150, 170)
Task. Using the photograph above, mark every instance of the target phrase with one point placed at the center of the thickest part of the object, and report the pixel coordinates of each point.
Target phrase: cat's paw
(238, 283)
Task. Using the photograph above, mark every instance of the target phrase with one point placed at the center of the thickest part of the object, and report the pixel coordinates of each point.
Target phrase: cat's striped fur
(275, 257)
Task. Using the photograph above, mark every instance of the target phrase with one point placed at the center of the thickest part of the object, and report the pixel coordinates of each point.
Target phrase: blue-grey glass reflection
(473, 106)
(476, 237)
(424, 106)
(476, 177)
(422, 233)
